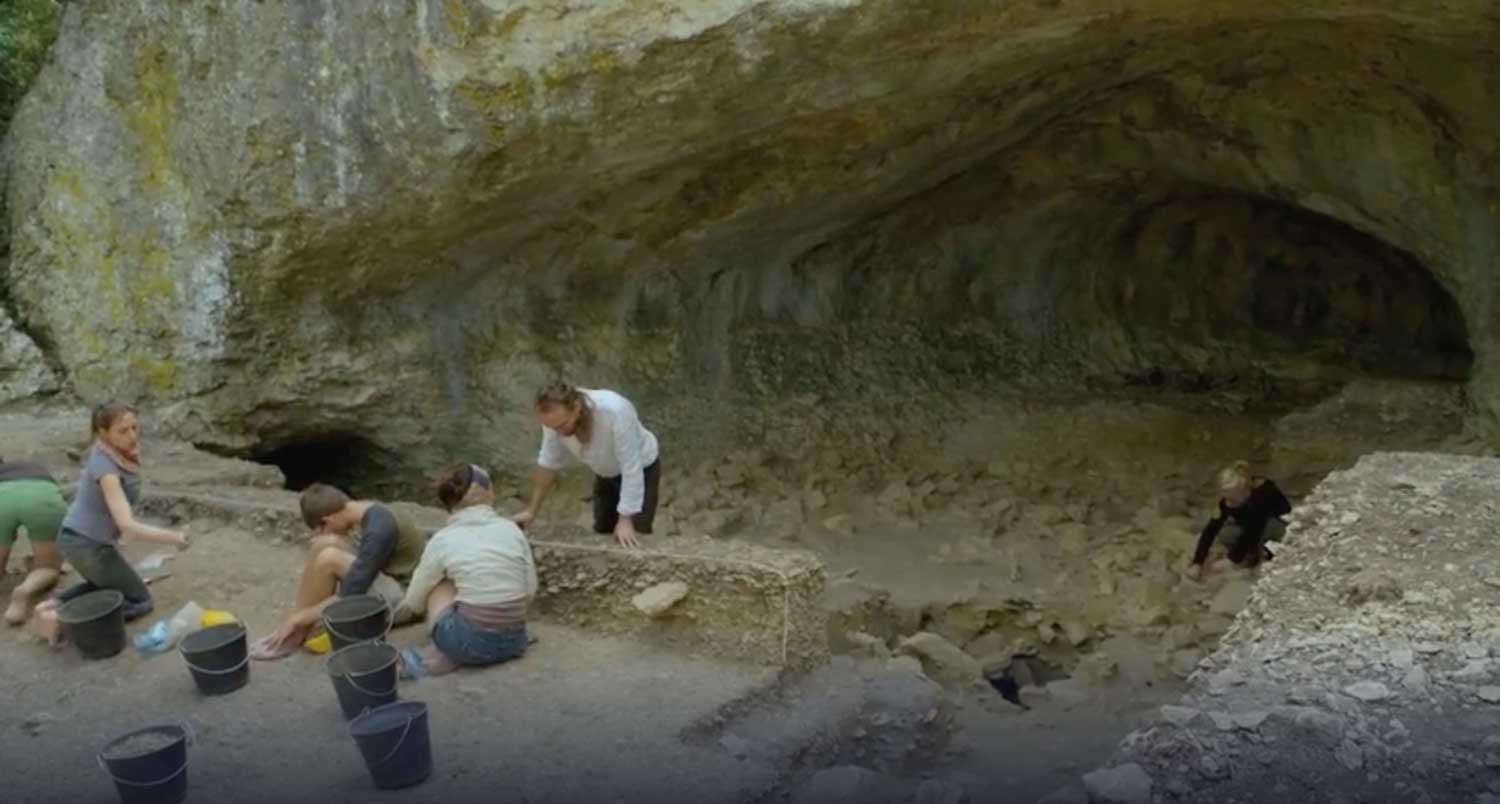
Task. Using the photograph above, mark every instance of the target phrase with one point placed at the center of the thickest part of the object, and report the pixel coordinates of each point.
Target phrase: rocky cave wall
(385, 223)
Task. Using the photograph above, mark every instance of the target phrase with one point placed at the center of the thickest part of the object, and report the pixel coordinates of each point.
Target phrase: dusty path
(579, 718)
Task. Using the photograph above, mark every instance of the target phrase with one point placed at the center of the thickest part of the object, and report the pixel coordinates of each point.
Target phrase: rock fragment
(659, 599)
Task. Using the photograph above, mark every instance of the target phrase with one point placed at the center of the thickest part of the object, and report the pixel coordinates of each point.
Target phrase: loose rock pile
(1366, 666)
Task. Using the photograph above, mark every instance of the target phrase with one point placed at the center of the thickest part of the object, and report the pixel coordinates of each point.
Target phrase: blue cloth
(468, 644)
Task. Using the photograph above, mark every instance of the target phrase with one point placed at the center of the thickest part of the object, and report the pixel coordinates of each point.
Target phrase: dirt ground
(580, 717)
(588, 716)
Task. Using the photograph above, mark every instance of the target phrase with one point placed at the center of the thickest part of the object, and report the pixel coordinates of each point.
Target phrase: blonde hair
(1234, 476)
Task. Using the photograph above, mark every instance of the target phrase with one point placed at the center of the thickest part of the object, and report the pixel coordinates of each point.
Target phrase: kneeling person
(30, 499)
(381, 561)
(1249, 514)
(475, 581)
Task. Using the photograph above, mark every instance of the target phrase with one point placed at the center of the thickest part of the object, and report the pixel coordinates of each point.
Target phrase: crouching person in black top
(1250, 508)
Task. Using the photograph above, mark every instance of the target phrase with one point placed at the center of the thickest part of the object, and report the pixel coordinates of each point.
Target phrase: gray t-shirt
(89, 515)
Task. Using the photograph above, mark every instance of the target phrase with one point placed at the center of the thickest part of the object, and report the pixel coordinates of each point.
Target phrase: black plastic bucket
(219, 658)
(95, 622)
(394, 741)
(364, 676)
(355, 619)
(149, 765)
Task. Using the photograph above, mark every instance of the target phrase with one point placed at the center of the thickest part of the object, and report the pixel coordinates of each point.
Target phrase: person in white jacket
(475, 581)
(600, 428)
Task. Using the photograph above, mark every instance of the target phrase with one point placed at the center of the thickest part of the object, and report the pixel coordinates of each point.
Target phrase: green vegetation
(27, 28)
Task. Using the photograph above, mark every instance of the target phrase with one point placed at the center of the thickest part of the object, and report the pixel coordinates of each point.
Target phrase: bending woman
(30, 499)
(101, 513)
(475, 581)
(1255, 505)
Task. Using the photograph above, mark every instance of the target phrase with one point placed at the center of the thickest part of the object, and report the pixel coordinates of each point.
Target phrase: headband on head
(479, 476)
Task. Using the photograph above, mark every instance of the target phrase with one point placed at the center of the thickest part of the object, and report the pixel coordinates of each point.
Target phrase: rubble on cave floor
(1366, 665)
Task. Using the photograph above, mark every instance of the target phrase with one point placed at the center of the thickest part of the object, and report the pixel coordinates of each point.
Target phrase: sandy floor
(584, 717)
(579, 718)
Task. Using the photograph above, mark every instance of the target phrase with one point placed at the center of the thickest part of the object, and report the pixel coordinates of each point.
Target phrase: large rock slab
(391, 219)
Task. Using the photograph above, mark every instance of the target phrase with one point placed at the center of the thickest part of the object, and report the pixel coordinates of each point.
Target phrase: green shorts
(36, 505)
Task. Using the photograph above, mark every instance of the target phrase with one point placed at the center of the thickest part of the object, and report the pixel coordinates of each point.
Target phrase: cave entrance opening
(348, 461)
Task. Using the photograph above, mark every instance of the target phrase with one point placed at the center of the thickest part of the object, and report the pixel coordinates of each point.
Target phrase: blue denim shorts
(468, 644)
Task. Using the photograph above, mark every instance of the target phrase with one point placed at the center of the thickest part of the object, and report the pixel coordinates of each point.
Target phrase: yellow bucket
(319, 644)
(212, 617)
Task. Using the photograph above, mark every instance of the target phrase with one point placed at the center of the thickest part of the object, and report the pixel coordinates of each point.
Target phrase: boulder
(1123, 784)
(659, 599)
(942, 660)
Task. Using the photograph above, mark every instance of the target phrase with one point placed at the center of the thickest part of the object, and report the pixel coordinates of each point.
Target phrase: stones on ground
(1369, 586)
(1251, 721)
(1179, 715)
(1068, 692)
(867, 645)
(933, 791)
(1401, 658)
(1185, 661)
(1076, 632)
(1096, 668)
(659, 599)
(1046, 633)
(1489, 694)
(1415, 679)
(1320, 726)
(1231, 598)
(1368, 691)
(1349, 755)
(844, 784)
(1220, 682)
(1020, 669)
(738, 747)
(941, 660)
(1123, 784)
(1472, 670)
(33, 725)
(1491, 748)
(1071, 793)
(1222, 721)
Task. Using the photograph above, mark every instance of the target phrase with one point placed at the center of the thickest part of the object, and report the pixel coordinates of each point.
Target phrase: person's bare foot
(45, 623)
(19, 602)
(37, 582)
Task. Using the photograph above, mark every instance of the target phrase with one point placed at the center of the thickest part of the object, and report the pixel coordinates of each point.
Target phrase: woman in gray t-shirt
(101, 513)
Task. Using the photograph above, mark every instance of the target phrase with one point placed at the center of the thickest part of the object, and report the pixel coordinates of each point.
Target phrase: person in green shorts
(30, 499)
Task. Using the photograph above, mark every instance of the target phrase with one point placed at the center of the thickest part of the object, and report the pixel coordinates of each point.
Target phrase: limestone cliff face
(389, 220)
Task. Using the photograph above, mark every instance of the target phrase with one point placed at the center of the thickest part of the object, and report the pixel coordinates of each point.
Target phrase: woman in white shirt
(475, 581)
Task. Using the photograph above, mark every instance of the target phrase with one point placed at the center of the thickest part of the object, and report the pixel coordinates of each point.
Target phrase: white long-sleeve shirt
(619, 446)
(485, 555)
